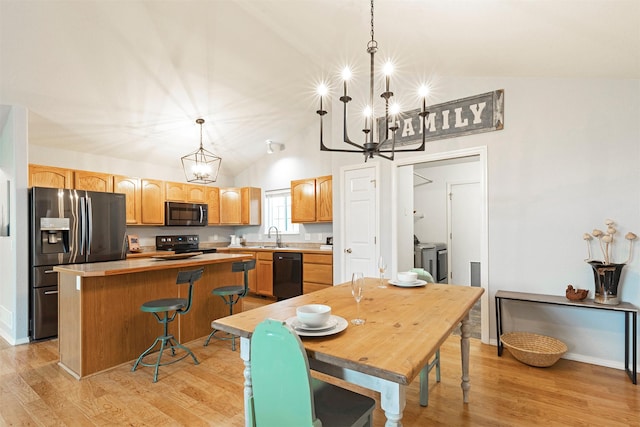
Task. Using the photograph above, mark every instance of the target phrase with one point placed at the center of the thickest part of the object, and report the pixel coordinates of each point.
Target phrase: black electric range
(181, 244)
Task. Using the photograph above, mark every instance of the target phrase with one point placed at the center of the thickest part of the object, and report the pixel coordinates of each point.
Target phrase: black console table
(630, 316)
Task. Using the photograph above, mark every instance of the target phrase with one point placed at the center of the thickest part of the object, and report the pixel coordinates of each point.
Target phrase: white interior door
(465, 216)
(360, 231)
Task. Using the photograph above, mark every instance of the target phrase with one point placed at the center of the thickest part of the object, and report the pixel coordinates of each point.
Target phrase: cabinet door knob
(347, 251)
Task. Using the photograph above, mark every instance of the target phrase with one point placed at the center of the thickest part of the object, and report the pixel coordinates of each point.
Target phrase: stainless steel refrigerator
(68, 227)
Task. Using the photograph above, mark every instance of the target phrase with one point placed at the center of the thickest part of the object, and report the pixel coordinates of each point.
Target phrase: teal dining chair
(169, 308)
(285, 393)
(435, 363)
(231, 295)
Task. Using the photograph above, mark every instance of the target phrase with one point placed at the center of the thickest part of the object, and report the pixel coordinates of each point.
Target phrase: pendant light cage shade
(201, 166)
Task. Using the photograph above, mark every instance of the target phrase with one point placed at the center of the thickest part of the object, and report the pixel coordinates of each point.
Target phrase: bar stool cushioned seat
(231, 295)
(435, 363)
(165, 306)
(284, 392)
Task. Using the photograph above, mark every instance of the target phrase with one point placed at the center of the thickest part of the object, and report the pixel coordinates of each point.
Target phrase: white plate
(415, 284)
(298, 325)
(341, 325)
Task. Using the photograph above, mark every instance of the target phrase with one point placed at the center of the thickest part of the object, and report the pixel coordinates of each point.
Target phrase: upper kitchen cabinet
(311, 200)
(152, 206)
(240, 206)
(92, 181)
(183, 192)
(212, 198)
(251, 206)
(230, 206)
(130, 187)
(324, 199)
(50, 177)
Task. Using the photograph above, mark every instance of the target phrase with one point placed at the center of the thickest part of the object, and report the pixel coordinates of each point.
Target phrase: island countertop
(136, 265)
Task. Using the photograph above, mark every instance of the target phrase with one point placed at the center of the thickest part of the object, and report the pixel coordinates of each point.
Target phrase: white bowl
(313, 315)
(407, 277)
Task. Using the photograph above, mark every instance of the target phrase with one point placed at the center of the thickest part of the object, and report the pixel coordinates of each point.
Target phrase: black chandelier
(385, 147)
(201, 166)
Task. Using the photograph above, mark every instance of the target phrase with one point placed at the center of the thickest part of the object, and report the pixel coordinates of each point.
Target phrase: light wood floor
(34, 391)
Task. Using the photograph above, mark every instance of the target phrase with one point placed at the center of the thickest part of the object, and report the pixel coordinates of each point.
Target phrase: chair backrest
(189, 277)
(244, 266)
(282, 390)
(423, 275)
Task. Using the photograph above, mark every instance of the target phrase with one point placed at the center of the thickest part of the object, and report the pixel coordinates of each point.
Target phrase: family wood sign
(466, 116)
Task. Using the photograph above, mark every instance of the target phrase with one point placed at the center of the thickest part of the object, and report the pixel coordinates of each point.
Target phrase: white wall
(14, 257)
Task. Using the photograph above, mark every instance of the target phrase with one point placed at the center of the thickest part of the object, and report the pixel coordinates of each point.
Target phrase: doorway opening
(442, 199)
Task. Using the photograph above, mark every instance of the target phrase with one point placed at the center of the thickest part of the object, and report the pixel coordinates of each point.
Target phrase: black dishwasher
(287, 274)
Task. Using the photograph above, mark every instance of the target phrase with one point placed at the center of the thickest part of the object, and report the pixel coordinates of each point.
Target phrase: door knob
(347, 251)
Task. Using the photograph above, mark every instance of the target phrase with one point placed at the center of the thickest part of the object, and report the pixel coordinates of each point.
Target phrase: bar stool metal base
(165, 343)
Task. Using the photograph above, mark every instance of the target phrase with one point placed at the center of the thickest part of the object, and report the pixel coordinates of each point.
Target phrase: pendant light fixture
(385, 146)
(201, 166)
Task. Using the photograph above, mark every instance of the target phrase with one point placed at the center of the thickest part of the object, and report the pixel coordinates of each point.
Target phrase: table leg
(392, 400)
(465, 332)
(499, 324)
(245, 354)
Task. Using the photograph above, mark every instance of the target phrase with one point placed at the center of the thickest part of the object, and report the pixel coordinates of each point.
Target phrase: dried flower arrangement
(605, 238)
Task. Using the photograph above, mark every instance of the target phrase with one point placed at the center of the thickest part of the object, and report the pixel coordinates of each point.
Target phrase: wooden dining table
(404, 328)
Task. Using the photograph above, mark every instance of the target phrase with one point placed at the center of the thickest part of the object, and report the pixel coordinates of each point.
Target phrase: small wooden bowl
(576, 294)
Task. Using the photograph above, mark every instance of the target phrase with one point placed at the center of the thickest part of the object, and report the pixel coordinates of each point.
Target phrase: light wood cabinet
(303, 200)
(152, 206)
(130, 187)
(230, 206)
(183, 192)
(317, 272)
(251, 206)
(324, 198)
(175, 191)
(92, 181)
(312, 200)
(264, 272)
(50, 177)
(212, 198)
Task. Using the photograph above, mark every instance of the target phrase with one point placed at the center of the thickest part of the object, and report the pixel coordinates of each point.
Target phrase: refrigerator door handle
(50, 292)
(83, 225)
(90, 224)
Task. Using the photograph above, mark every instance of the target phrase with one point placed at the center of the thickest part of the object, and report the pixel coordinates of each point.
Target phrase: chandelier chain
(372, 21)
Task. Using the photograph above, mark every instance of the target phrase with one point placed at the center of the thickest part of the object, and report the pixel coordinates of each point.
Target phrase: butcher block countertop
(137, 265)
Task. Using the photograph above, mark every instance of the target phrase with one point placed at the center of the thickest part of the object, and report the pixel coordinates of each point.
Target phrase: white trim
(480, 151)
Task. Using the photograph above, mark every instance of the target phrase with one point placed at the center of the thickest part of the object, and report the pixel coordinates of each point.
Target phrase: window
(277, 211)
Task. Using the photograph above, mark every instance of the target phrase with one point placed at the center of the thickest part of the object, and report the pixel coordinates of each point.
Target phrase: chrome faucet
(278, 241)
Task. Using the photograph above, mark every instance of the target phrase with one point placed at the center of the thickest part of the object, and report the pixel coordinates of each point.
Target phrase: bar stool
(231, 295)
(177, 306)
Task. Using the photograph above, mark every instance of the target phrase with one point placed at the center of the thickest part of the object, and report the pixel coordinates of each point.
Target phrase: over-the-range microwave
(189, 214)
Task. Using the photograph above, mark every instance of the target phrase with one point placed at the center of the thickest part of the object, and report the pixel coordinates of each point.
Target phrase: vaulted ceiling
(128, 78)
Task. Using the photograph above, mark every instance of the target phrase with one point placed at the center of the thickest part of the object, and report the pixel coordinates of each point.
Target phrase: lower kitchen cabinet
(264, 273)
(317, 272)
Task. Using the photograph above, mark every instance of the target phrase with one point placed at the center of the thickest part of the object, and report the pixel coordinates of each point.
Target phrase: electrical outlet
(215, 237)
(307, 236)
(319, 237)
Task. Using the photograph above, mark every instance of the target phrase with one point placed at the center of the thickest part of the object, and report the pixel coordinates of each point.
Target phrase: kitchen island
(100, 322)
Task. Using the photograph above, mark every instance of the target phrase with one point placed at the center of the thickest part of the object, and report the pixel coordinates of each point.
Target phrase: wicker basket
(533, 349)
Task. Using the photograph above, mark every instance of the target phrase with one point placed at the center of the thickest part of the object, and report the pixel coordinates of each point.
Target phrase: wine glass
(357, 287)
(382, 267)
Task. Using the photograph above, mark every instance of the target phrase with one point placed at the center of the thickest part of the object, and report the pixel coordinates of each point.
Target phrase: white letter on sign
(445, 119)
(477, 112)
(407, 128)
(459, 122)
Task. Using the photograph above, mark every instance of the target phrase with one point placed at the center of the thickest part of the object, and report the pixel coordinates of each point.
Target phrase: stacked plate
(407, 284)
(334, 325)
